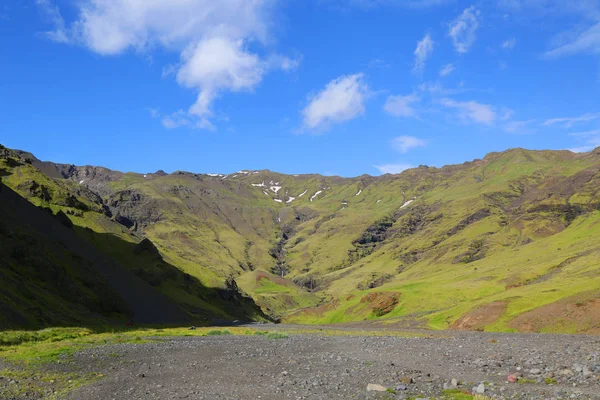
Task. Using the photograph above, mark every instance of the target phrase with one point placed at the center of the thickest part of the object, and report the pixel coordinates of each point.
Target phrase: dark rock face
(134, 209)
(146, 247)
(62, 217)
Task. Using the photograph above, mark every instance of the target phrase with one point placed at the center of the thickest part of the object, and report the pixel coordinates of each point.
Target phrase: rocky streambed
(453, 365)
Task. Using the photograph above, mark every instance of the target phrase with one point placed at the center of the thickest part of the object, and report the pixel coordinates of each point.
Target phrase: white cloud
(472, 111)
(342, 99)
(568, 122)
(447, 70)
(509, 44)
(218, 64)
(400, 106)
(393, 168)
(422, 52)
(211, 36)
(587, 41)
(403, 144)
(463, 29)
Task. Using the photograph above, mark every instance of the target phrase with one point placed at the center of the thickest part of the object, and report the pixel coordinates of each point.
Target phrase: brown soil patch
(584, 316)
(270, 277)
(477, 319)
(381, 303)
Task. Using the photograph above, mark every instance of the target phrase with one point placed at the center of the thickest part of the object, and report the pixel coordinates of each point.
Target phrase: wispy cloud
(509, 44)
(393, 168)
(590, 140)
(341, 100)
(447, 70)
(422, 53)
(401, 106)
(568, 122)
(472, 111)
(587, 41)
(52, 14)
(403, 144)
(463, 30)
(520, 127)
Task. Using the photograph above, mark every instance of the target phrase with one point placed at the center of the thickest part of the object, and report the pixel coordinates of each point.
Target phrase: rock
(373, 387)
(284, 373)
(401, 387)
(512, 378)
(480, 389)
(454, 382)
(596, 368)
(192, 328)
(407, 380)
(535, 371)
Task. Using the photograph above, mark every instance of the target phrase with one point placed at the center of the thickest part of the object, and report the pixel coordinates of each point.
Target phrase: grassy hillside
(508, 242)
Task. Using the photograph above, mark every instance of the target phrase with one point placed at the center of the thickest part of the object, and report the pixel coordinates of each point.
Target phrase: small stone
(407, 380)
(512, 378)
(535, 371)
(284, 373)
(596, 368)
(373, 387)
(480, 388)
(454, 382)
(401, 387)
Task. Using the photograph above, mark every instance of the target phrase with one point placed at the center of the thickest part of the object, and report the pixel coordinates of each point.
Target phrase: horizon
(302, 173)
(340, 88)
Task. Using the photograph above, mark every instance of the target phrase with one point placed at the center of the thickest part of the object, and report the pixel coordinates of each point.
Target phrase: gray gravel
(305, 366)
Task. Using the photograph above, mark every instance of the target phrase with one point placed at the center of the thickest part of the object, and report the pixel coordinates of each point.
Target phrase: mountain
(507, 242)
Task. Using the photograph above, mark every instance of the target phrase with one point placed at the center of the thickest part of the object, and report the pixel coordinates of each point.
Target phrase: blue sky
(341, 87)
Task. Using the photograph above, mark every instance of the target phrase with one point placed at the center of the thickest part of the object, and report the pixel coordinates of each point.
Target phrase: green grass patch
(217, 332)
(277, 335)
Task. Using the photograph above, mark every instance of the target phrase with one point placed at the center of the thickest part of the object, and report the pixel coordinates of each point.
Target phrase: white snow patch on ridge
(259, 184)
(279, 201)
(303, 193)
(81, 181)
(316, 194)
(359, 192)
(275, 188)
(378, 201)
(407, 203)
(291, 199)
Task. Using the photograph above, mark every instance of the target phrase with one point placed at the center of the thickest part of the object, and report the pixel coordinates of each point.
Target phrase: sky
(336, 87)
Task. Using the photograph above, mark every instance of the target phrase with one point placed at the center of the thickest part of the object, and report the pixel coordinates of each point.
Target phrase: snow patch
(275, 188)
(81, 181)
(407, 203)
(145, 175)
(303, 193)
(291, 199)
(315, 195)
(213, 175)
(259, 184)
(378, 201)
(359, 192)
(265, 192)
(279, 201)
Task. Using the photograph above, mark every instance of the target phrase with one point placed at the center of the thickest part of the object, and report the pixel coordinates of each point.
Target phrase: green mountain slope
(68, 261)
(499, 243)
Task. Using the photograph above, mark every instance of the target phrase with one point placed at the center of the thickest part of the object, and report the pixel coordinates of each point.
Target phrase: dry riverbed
(309, 363)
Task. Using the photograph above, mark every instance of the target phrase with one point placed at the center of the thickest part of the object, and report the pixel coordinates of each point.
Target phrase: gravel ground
(311, 366)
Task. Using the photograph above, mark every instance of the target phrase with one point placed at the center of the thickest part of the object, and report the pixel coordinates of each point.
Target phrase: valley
(508, 242)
